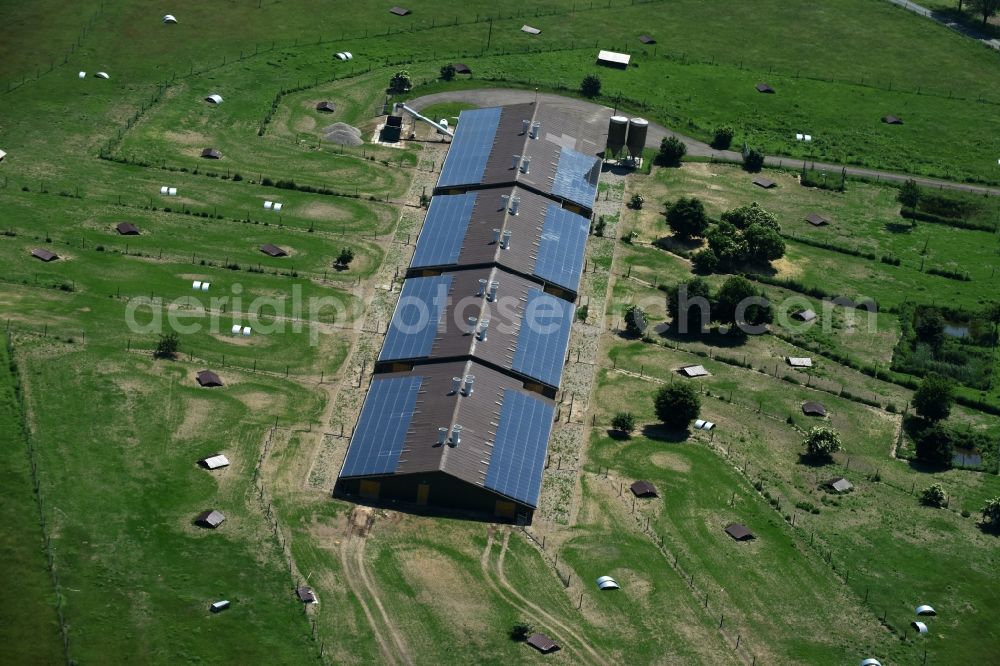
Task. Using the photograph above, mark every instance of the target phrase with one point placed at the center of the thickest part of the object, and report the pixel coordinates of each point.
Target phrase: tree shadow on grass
(664, 433)
(618, 435)
(711, 338)
(898, 228)
(992, 529)
(816, 462)
(675, 243)
(925, 467)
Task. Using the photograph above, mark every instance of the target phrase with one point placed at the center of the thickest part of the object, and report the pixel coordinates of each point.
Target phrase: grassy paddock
(27, 600)
(869, 536)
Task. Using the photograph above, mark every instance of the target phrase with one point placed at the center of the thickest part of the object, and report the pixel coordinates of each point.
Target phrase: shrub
(936, 445)
(599, 226)
(933, 495)
(590, 87)
(991, 511)
(400, 81)
(345, 257)
(267, 182)
(934, 398)
(723, 137)
(704, 261)
(686, 217)
(448, 72)
(623, 422)
(909, 194)
(635, 320)
(237, 177)
(821, 443)
(521, 631)
(677, 404)
(636, 201)
(672, 150)
(168, 346)
(753, 160)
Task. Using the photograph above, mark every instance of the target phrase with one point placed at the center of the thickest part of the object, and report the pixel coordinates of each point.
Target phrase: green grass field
(27, 601)
(116, 433)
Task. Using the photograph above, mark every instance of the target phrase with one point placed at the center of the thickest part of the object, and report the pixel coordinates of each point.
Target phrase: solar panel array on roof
(519, 450)
(382, 427)
(527, 249)
(441, 237)
(576, 177)
(544, 337)
(561, 247)
(415, 321)
(471, 147)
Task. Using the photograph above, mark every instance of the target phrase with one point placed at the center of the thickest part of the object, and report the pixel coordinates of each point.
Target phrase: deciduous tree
(677, 404)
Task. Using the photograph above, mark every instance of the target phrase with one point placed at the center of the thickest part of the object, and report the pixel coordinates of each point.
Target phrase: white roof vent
(456, 385)
(469, 381)
(525, 126)
(506, 240)
(456, 435)
(443, 432)
(482, 287)
(515, 204)
(536, 127)
(526, 164)
(515, 160)
(494, 286)
(496, 237)
(472, 321)
(483, 326)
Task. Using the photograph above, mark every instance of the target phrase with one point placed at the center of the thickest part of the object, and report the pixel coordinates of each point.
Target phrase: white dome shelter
(214, 99)
(102, 75)
(925, 610)
(169, 18)
(607, 583)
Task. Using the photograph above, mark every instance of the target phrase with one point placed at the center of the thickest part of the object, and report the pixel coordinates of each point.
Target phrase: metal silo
(617, 131)
(637, 129)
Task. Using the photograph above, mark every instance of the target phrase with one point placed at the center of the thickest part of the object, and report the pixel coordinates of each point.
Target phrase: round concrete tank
(617, 131)
(637, 130)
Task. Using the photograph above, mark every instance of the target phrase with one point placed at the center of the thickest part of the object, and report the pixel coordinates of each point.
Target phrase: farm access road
(502, 96)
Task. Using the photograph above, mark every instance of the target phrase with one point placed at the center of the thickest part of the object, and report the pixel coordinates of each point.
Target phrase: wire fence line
(32, 454)
(270, 516)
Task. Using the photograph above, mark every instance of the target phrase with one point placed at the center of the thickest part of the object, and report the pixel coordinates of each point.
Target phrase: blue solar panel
(444, 229)
(544, 337)
(561, 248)
(415, 322)
(518, 457)
(385, 418)
(576, 177)
(471, 147)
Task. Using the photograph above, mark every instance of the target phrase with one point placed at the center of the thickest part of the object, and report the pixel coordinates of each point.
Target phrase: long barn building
(460, 409)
